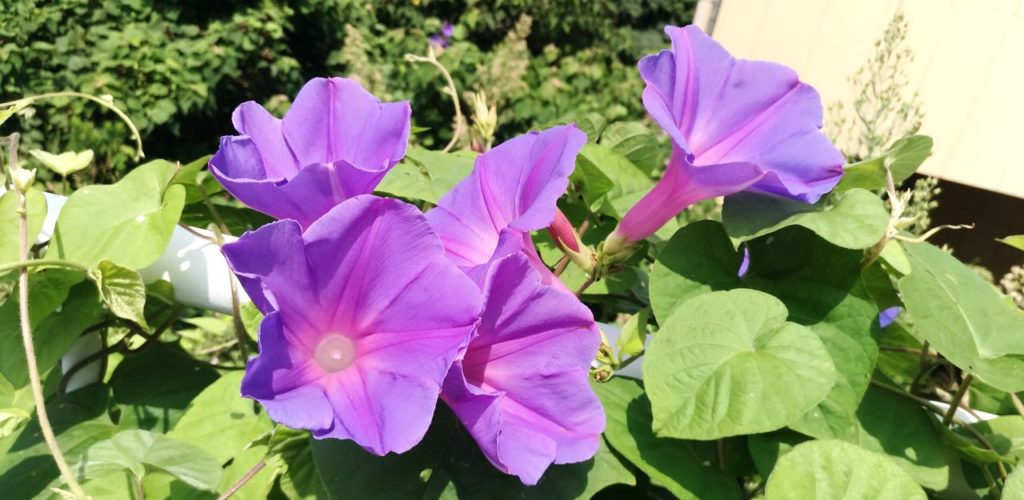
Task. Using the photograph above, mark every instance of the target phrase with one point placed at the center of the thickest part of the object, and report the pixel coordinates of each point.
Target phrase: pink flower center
(335, 353)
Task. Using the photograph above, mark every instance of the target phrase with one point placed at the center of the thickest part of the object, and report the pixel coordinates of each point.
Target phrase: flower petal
(252, 120)
(271, 264)
(382, 411)
(282, 382)
(335, 119)
(381, 269)
(682, 185)
(238, 167)
(726, 110)
(530, 357)
(515, 185)
(511, 242)
(370, 271)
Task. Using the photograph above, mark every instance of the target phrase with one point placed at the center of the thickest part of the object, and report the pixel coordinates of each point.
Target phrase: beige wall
(969, 69)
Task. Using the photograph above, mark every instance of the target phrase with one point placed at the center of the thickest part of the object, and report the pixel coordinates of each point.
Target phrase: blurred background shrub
(179, 68)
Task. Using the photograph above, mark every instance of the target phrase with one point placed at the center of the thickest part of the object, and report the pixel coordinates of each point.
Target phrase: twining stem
(947, 419)
(136, 136)
(140, 492)
(27, 263)
(236, 310)
(586, 284)
(909, 350)
(26, 336)
(459, 120)
(928, 405)
(1017, 403)
(561, 265)
(720, 445)
(244, 479)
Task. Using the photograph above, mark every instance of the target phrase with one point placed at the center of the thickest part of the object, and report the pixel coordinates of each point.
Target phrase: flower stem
(459, 120)
(586, 284)
(26, 338)
(236, 310)
(109, 104)
(947, 419)
(27, 263)
(244, 479)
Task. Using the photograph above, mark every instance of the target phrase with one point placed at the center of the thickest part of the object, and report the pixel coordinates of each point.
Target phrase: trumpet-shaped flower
(521, 388)
(365, 315)
(735, 125)
(512, 190)
(337, 141)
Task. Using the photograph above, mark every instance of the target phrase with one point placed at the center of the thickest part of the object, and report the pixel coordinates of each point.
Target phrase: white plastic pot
(193, 265)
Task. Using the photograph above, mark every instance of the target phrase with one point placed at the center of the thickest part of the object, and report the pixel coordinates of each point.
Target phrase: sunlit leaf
(427, 175)
(10, 224)
(220, 421)
(1015, 241)
(818, 282)
(964, 317)
(834, 470)
(122, 290)
(128, 223)
(680, 466)
(903, 159)
(140, 451)
(64, 163)
(858, 218)
(728, 363)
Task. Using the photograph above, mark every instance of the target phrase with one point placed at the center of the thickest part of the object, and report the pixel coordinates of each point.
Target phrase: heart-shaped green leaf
(819, 283)
(64, 163)
(128, 223)
(122, 290)
(964, 317)
(728, 363)
(856, 220)
(903, 159)
(611, 183)
(1015, 241)
(10, 223)
(139, 451)
(834, 470)
(427, 175)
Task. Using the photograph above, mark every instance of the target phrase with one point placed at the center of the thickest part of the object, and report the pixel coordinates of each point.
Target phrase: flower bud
(485, 118)
(23, 178)
(568, 240)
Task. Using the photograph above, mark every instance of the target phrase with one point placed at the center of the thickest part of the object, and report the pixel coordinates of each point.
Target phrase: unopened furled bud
(612, 252)
(23, 178)
(568, 240)
(485, 118)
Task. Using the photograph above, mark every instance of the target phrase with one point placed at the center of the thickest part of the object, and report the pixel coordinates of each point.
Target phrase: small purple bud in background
(437, 42)
(443, 39)
(745, 265)
(888, 316)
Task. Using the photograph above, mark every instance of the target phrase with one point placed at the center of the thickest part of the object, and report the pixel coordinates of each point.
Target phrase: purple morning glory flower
(735, 125)
(512, 190)
(337, 141)
(365, 316)
(521, 388)
(888, 316)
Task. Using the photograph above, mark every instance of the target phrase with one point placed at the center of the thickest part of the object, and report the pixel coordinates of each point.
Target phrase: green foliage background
(179, 68)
